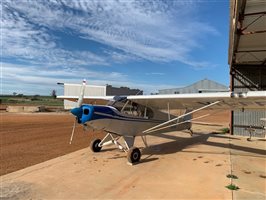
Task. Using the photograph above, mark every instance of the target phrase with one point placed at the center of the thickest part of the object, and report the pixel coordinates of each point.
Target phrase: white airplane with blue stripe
(129, 116)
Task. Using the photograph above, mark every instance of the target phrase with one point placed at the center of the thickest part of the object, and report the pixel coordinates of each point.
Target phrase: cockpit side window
(130, 108)
(118, 103)
(138, 110)
(149, 113)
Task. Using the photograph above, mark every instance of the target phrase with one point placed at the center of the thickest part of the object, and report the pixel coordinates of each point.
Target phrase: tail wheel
(95, 145)
(133, 155)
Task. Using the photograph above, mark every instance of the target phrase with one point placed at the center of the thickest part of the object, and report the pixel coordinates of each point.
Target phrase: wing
(224, 100)
(96, 100)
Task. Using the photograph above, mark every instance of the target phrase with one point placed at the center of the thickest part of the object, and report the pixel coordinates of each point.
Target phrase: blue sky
(142, 44)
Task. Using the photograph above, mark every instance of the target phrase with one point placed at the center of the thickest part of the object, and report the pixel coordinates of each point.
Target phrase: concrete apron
(175, 166)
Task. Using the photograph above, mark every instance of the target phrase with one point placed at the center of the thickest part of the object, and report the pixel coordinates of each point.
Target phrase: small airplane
(139, 115)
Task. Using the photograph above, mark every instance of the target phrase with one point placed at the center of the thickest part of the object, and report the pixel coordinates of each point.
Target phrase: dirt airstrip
(28, 139)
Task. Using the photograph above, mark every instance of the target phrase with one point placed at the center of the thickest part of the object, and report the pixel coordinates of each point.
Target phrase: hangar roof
(247, 43)
(204, 85)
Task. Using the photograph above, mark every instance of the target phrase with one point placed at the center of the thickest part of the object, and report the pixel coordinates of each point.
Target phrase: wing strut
(183, 122)
(172, 120)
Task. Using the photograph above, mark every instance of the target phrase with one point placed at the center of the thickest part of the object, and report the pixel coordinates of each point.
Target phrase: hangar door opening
(247, 59)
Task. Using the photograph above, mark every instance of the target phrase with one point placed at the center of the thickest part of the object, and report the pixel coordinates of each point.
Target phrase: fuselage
(110, 119)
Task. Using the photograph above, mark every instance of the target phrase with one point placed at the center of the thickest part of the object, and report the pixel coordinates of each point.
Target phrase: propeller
(81, 96)
(77, 111)
(73, 130)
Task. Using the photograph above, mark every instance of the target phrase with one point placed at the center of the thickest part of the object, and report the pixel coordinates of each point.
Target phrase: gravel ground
(29, 139)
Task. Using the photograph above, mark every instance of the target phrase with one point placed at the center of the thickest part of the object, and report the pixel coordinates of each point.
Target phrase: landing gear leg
(191, 132)
(133, 153)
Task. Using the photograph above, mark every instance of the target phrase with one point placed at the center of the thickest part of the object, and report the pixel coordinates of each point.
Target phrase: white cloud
(28, 73)
(156, 73)
(18, 77)
(153, 30)
(26, 40)
(157, 31)
(41, 80)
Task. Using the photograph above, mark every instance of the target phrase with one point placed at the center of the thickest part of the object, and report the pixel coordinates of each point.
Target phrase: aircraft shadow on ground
(178, 144)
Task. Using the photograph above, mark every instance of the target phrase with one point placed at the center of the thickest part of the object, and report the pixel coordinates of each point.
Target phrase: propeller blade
(76, 111)
(73, 130)
(80, 100)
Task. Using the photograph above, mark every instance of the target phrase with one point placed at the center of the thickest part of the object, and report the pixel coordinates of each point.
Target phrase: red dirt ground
(28, 139)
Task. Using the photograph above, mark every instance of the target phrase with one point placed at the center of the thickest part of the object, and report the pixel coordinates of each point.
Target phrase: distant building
(112, 91)
(202, 86)
(94, 90)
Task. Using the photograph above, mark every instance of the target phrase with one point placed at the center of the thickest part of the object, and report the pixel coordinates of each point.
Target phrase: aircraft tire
(94, 145)
(133, 155)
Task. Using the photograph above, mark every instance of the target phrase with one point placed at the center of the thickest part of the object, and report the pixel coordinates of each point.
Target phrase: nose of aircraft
(76, 111)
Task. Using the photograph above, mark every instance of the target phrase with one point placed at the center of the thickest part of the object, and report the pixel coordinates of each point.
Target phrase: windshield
(130, 108)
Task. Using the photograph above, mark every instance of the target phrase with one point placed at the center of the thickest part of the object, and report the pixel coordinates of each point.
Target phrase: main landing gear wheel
(133, 155)
(95, 145)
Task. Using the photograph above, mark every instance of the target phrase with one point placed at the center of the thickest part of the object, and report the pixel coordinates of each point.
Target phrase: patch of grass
(225, 130)
(231, 176)
(232, 187)
(35, 100)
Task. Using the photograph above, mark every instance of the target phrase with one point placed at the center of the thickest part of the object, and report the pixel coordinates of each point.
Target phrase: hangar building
(201, 86)
(247, 59)
(94, 90)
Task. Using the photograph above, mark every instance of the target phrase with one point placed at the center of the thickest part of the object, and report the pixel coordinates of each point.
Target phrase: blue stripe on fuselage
(104, 112)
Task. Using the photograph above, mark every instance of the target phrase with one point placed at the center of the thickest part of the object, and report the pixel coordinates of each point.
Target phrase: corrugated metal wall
(75, 89)
(248, 118)
(246, 79)
(113, 91)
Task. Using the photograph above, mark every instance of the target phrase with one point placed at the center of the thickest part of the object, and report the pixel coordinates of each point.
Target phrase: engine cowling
(83, 113)
(87, 113)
